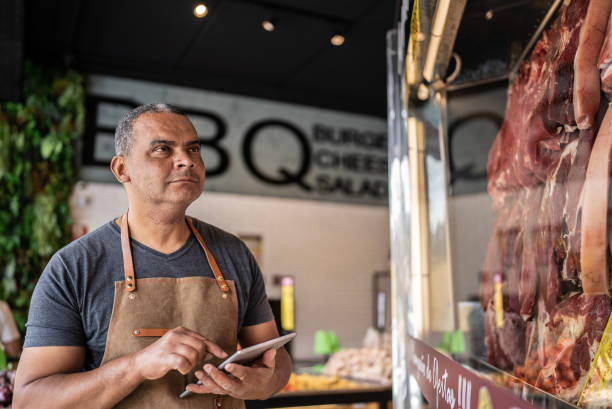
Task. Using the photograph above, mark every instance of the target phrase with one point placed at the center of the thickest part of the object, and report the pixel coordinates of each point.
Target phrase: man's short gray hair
(123, 132)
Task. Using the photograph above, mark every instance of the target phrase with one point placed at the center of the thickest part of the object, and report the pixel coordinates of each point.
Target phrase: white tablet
(250, 354)
(254, 352)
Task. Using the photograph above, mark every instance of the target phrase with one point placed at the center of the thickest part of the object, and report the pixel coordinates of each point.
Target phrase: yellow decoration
(484, 399)
(499, 304)
(601, 367)
(287, 303)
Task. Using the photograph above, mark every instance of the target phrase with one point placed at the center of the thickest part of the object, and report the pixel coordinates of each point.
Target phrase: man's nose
(182, 159)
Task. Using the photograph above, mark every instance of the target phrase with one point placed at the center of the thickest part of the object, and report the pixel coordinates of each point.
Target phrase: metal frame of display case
(411, 144)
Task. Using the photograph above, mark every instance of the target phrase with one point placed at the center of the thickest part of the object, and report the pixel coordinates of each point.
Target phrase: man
(127, 315)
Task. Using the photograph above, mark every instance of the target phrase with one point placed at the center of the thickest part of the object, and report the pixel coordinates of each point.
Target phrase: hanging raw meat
(548, 177)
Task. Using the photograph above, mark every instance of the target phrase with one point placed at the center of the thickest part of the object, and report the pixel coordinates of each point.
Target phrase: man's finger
(180, 363)
(188, 352)
(238, 371)
(205, 388)
(208, 384)
(269, 358)
(221, 378)
(198, 388)
(215, 349)
(210, 346)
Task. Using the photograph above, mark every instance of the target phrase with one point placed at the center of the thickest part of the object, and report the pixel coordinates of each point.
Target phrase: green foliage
(37, 175)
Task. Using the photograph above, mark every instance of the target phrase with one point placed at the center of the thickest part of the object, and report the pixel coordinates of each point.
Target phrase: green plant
(37, 175)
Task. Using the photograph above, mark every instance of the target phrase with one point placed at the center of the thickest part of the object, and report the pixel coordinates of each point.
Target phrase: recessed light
(268, 25)
(200, 10)
(337, 40)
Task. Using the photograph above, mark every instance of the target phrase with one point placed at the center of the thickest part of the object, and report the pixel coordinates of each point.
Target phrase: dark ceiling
(493, 35)
(228, 50)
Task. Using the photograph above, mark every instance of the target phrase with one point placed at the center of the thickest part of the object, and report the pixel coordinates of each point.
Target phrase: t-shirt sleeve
(54, 318)
(258, 308)
(8, 329)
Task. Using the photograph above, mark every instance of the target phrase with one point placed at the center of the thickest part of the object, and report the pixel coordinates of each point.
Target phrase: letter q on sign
(283, 175)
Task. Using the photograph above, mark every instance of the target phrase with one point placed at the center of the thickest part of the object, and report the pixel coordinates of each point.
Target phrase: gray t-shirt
(73, 299)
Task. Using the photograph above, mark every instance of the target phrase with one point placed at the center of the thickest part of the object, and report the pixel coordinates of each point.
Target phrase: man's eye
(161, 148)
(194, 149)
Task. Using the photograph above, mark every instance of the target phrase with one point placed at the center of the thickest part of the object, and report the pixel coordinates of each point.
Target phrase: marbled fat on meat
(536, 172)
(539, 103)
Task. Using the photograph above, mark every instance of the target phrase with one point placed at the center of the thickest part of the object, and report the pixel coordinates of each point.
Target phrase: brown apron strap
(128, 264)
(211, 259)
(149, 332)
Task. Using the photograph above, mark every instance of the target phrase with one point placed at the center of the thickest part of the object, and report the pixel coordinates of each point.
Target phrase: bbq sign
(252, 146)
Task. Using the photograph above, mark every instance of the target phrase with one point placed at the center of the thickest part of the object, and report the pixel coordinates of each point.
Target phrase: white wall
(331, 249)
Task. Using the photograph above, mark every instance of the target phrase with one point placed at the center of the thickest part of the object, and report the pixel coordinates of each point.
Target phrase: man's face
(164, 163)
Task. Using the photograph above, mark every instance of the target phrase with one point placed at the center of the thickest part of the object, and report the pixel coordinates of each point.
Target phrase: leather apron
(144, 309)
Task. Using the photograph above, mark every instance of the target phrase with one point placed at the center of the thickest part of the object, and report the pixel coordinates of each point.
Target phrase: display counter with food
(536, 190)
(349, 376)
(308, 389)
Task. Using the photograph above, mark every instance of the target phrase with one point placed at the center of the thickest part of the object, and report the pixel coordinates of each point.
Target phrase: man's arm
(46, 372)
(258, 381)
(56, 372)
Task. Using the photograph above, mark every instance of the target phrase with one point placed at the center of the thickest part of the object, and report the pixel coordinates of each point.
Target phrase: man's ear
(119, 167)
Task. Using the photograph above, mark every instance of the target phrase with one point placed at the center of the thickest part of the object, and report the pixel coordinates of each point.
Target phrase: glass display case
(500, 143)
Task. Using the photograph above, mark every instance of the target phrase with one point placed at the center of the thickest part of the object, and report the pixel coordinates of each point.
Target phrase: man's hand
(258, 381)
(58, 371)
(244, 382)
(179, 349)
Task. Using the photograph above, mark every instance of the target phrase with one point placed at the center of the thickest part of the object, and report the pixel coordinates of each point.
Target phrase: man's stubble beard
(152, 197)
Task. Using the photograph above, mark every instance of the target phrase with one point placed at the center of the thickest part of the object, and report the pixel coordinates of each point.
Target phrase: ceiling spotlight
(200, 10)
(269, 25)
(337, 40)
